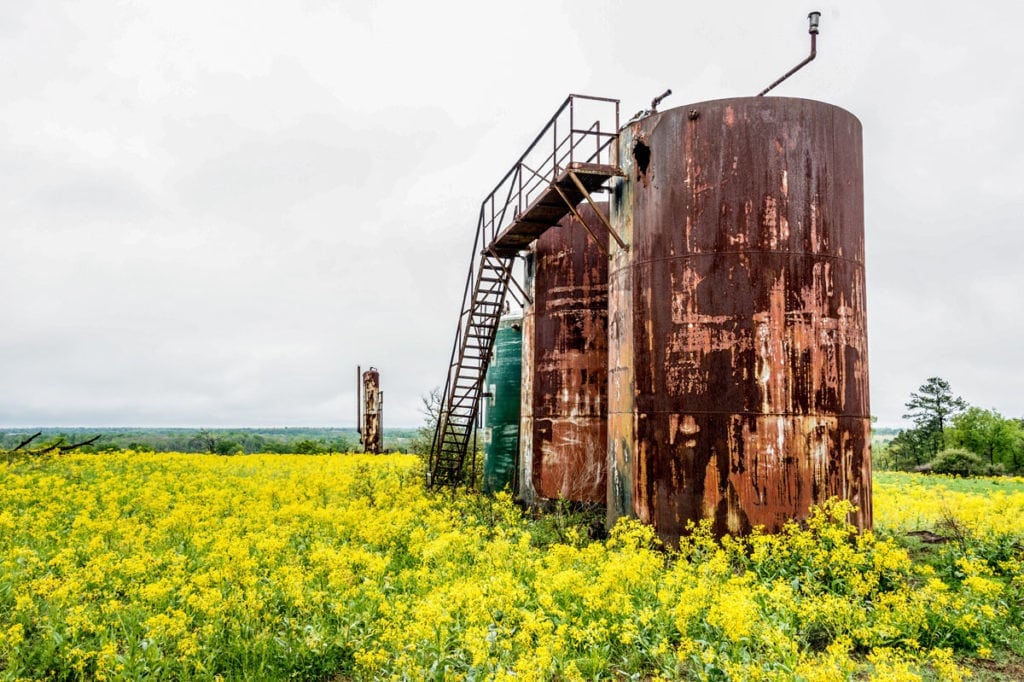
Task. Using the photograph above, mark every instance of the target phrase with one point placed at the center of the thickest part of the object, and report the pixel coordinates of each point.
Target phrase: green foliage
(960, 462)
(990, 435)
(421, 443)
(310, 447)
(931, 408)
(983, 487)
(908, 450)
(943, 421)
(568, 523)
(212, 441)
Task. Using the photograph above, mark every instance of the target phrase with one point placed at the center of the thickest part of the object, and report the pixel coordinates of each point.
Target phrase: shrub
(960, 462)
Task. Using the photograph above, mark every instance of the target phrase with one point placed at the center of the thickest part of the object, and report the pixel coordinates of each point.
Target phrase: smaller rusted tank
(502, 391)
(565, 370)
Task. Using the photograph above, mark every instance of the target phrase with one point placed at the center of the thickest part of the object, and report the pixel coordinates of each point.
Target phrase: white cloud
(211, 212)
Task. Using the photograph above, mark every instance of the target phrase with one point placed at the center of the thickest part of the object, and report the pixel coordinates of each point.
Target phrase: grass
(975, 485)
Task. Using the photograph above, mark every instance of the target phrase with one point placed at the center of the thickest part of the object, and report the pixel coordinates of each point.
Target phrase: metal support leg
(608, 225)
(576, 214)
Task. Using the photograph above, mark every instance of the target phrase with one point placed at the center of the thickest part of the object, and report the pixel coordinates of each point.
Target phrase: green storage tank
(503, 388)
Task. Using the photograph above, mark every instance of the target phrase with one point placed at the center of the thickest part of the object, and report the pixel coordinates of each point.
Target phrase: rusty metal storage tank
(502, 385)
(565, 363)
(738, 385)
(370, 428)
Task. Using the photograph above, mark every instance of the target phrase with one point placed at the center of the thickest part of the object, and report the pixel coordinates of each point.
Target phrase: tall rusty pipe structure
(370, 398)
(738, 372)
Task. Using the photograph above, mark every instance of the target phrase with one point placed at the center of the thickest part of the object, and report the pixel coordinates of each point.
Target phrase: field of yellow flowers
(135, 566)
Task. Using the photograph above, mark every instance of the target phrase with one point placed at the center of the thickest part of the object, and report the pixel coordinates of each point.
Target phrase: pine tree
(931, 408)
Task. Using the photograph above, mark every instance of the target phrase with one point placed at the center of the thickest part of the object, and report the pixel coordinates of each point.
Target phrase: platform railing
(582, 130)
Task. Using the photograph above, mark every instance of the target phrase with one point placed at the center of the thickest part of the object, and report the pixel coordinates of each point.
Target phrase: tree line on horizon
(949, 436)
(209, 441)
(953, 437)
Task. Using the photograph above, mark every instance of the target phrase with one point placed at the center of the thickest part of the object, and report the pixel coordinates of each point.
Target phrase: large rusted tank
(565, 364)
(738, 383)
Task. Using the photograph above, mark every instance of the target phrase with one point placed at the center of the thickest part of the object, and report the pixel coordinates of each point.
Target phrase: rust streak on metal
(570, 363)
(621, 407)
(525, 489)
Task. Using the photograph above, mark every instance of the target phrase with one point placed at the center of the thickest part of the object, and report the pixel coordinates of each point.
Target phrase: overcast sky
(212, 211)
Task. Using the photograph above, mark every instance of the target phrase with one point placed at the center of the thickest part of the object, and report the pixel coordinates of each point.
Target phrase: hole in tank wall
(642, 155)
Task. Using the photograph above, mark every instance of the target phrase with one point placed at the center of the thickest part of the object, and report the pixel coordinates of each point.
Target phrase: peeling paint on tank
(525, 490)
(621, 413)
(570, 362)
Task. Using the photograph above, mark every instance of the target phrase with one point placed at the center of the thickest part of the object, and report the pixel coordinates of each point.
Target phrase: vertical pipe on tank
(621, 407)
(526, 491)
(738, 343)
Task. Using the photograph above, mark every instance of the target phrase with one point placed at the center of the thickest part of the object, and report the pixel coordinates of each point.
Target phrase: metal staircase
(561, 167)
(477, 328)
